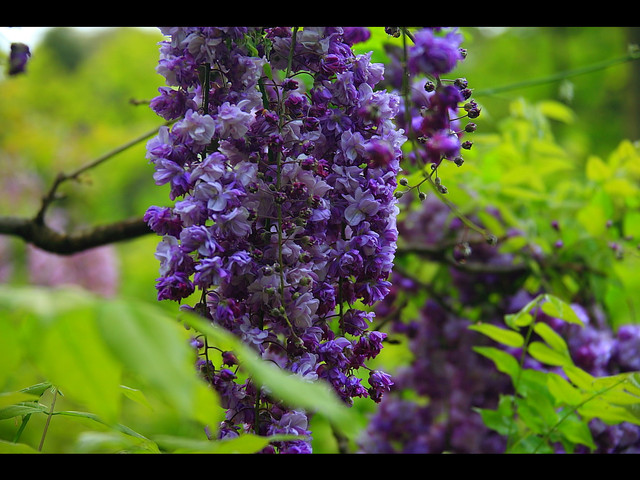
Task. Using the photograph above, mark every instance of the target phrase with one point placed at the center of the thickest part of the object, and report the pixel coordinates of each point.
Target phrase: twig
(633, 54)
(63, 177)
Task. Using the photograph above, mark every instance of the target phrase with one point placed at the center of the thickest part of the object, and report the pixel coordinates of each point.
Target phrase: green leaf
(610, 414)
(10, 398)
(113, 442)
(577, 431)
(502, 419)
(503, 361)
(523, 317)
(553, 339)
(136, 395)
(580, 378)
(597, 169)
(38, 389)
(555, 307)
(91, 416)
(631, 224)
(246, 443)
(556, 110)
(562, 390)
(496, 421)
(11, 351)
(86, 343)
(518, 320)
(155, 348)
(548, 356)
(8, 447)
(74, 358)
(21, 409)
(500, 335)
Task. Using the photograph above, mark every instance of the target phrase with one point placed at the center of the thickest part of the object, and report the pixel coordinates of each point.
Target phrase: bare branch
(441, 253)
(53, 241)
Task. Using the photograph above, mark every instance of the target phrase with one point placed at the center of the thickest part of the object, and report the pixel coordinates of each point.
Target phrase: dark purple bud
(229, 358)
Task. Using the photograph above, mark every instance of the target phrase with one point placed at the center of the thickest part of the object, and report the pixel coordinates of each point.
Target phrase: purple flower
(442, 144)
(195, 128)
(168, 171)
(232, 121)
(362, 204)
(172, 103)
(209, 272)
(235, 222)
(433, 54)
(353, 35)
(355, 322)
(379, 153)
(628, 347)
(174, 287)
(163, 221)
(379, 382)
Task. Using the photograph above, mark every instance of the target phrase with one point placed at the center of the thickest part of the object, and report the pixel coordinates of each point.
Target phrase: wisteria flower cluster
(282, 164)
(433, 106)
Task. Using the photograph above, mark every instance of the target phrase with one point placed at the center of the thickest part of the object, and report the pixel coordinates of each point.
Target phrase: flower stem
(46, 426)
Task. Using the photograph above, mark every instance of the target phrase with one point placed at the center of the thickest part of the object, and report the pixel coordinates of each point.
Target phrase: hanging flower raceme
(282, 165)
(433, 107)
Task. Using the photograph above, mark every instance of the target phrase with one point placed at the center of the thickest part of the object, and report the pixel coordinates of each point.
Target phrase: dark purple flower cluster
(282, 163)
(449, 378)
(433, 106)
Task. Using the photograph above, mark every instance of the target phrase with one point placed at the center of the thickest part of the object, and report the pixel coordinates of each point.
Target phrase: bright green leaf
(557, 308)
(577, 431)
(8, 447)
(155, 348)
(503, 361)
(597, 169)
(580, 378)
(113, 442)
(500, 335)
(556, 111)
(518, 320)
(562, 390)
(21, 409)
(553, 339)
(10, 398)
(611, 414)
(74, 358)
(548, 356)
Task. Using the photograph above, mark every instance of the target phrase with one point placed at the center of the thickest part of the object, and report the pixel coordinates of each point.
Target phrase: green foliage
(555, 405)
(127, 372)
(524, 173)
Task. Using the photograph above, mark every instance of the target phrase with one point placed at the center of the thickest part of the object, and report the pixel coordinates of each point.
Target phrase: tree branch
(441, 253)
(53, 241)
(36, 232)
